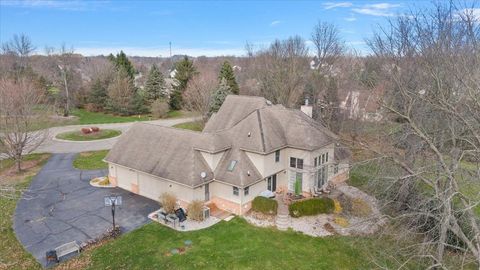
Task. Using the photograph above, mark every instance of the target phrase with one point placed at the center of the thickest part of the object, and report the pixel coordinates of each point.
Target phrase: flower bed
(310, 207)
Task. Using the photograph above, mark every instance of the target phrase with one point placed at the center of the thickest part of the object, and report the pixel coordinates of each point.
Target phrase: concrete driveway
(61, 206)
(51, 145)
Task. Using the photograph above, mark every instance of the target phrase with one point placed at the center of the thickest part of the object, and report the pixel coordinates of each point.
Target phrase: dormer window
(277, 156)
(231, 166)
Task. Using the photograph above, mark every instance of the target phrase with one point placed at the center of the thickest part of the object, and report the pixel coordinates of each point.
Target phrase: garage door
(150, 187)
(125, 178)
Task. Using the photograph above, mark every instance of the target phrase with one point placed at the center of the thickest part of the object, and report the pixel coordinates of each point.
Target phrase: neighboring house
(249, 146)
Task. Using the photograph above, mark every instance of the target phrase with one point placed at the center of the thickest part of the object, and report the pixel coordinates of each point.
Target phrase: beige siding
(266, 164)
(254, 190)
(224, 191)
(126, 177)
(212, 159)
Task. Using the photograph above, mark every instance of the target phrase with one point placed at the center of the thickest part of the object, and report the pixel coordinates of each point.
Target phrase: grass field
(195, 126)
(86, 117)
(90, 160)
(79, 136)
(230, 245)
(12, 253)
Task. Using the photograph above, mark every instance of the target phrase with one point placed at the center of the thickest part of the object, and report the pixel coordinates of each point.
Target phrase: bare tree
(281, 70)
(328, 44)
(198, 95)
(431, 156)
(20, 46)
(22, 114)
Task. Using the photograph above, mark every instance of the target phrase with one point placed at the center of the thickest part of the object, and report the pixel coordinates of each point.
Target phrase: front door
(272, 183)
(207, 192)
(295, 182)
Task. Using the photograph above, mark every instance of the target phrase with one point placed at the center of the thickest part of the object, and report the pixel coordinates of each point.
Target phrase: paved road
(61, 206)
(51, 145)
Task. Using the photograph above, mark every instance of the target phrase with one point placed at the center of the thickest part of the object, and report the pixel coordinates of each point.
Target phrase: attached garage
(126, 177)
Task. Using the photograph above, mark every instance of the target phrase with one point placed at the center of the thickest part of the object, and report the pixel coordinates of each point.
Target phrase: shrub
(265, 205)
(341, 221)
(86, 130)
(159, 108)
(195, 210)
(168, 202)
(360, 208)
(311, 207)
(95, 129)
(338, 207)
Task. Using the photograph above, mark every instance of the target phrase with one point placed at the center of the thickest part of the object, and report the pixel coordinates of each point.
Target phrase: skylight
(231, 166)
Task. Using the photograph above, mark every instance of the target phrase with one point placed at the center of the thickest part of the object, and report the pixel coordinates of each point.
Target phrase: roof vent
(249, 134)
(248, 173)
(203, 175)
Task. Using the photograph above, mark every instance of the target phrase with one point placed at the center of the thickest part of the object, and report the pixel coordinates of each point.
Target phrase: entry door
(272, 183)
(207, 192)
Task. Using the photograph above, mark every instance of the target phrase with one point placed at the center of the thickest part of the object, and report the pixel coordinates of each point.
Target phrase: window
(235, 191)
(296, 163)
(321, 175)
(326, 157)
(277, 156)
(293, 162)
(231, 166)
(272, 183)
(246, 191)
(323, 158)
(299, 163)
(335, 169)
(315, 162)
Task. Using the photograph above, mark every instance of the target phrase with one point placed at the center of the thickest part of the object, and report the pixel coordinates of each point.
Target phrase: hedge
(265, 205)
(312, 207)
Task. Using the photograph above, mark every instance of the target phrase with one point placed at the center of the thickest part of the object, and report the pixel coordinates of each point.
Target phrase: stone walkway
(283, 219)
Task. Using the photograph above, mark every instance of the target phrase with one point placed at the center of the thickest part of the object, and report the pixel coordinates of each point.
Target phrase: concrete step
(282, 222)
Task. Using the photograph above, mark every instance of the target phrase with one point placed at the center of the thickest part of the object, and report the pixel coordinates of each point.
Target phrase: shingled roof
(242, 124)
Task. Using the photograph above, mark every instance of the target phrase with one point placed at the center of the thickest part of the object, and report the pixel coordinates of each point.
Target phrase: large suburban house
(248, 147)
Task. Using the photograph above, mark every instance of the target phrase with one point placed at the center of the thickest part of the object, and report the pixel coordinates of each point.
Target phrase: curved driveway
(61, 206)
(51, 145)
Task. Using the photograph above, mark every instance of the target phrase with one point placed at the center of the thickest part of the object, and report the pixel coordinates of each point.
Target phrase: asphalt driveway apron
(60, 206)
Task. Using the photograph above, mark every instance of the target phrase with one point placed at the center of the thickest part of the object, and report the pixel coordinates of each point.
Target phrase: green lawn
(86, 117)
(79, 136)
(195, 126)
(12, 253)
(231, 245)
(90, 160)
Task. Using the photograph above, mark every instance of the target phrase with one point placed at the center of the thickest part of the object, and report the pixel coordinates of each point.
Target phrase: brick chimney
(307, 108)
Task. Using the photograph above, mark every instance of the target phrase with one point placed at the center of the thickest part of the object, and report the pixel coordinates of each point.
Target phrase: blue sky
(195, 28)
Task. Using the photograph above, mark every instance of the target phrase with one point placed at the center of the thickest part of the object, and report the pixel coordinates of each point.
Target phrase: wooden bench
(67, 248)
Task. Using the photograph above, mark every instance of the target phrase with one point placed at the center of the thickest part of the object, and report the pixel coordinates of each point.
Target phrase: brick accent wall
(134, 188)
(227, 205)
(112, 180)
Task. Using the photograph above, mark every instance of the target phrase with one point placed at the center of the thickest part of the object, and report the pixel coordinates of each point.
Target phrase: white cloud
(474, 13)
(350, 19)
(330, 5)
(379, 9)
(160, 51)
(275, 23)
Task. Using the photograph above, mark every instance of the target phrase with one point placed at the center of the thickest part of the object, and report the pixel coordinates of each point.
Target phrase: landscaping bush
(86, 130)
(168, 202)
(311, 207)
(195, 210)
(159, 108)
(265, 205)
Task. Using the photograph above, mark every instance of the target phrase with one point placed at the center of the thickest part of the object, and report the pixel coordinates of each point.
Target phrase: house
(249, 146)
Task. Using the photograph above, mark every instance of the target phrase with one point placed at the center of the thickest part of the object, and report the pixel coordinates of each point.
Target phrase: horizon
(95, 28)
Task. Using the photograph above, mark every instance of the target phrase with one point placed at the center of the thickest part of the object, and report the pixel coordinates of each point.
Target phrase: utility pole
(170, 44)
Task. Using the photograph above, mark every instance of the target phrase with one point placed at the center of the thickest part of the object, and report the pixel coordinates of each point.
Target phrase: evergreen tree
(219, 96)
(184, 72)
(98, 95)
(155, 85)
(121, 62)
(226, 72)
